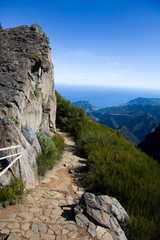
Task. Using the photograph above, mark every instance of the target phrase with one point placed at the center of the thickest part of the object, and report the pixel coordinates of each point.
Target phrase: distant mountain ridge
(85, 105)
(144, 101)
(134, 119)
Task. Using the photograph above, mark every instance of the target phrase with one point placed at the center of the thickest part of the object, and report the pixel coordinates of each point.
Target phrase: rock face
(27, 97)
(102, 216)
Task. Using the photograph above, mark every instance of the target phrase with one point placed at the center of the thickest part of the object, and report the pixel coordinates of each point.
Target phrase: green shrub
(37, 92)
(12, 193)
(51, 151)
(69, 117)
(22, 128)
(11, 119)
(15, 73)
(33, 56)
(116, 168)
(46, 143)
(59, 144)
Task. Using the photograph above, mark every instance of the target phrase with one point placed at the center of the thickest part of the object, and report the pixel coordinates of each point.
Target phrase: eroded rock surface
(27, 97)
(102, 216)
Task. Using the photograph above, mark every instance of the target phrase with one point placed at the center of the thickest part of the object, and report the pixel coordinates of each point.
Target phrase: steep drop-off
(139, 117)
(151, 144)
(116, 168)
(27, 97)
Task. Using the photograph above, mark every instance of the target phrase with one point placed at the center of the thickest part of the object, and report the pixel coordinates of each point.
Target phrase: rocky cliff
(27, 97)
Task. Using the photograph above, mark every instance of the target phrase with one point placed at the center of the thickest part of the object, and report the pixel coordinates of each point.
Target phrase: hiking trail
(47, 212)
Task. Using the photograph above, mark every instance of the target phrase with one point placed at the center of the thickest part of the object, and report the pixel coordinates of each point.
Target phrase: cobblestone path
(47, 212)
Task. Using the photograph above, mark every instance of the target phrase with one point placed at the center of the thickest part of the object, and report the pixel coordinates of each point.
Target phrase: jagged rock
(31, 137)
(116, 209)
(26, 86)
(5, 179)
(103, 233)
(83, 221)
(27, 96)
(105, 212)
(116, 230)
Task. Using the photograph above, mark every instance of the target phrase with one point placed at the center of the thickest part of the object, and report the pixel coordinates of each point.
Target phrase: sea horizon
(103, 96)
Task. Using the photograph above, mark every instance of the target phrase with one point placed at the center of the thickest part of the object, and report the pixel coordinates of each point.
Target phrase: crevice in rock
(30, 77)
(3, 164)
(15, 102)
(20, 90)
(20, 82)
(91, 219)
(4, 85)
(36, 66)
(8, 105)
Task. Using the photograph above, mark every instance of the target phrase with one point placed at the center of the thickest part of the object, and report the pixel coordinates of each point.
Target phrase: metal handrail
(9, 148)
(9, 156)
(18, 154)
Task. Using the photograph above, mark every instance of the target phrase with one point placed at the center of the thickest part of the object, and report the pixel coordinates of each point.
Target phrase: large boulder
(31, 137)
(105, 212)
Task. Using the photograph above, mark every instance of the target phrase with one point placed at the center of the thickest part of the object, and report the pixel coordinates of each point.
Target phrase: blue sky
(103, 42)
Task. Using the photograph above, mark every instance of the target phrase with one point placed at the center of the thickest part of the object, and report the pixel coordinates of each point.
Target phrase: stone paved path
(47, 213)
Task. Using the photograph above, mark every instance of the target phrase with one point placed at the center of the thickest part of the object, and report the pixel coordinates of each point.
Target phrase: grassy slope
(117, 168)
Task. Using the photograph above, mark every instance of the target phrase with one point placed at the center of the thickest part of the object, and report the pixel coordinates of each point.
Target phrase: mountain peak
(144, 101)
(85, 105)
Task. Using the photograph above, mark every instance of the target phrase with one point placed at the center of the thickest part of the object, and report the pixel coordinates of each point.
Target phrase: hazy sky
(97, 42)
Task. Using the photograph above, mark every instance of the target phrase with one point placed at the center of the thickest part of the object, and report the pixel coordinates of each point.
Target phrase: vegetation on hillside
(52, 148)
(68, 117)
(116, 168)
(12, 193)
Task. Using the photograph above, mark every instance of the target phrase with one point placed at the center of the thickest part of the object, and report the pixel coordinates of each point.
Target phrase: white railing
(18, 155)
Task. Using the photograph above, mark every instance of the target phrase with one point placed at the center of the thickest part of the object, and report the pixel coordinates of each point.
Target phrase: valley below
(134, 119)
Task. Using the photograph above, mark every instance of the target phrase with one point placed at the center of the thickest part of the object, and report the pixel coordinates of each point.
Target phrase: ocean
(102, 97)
